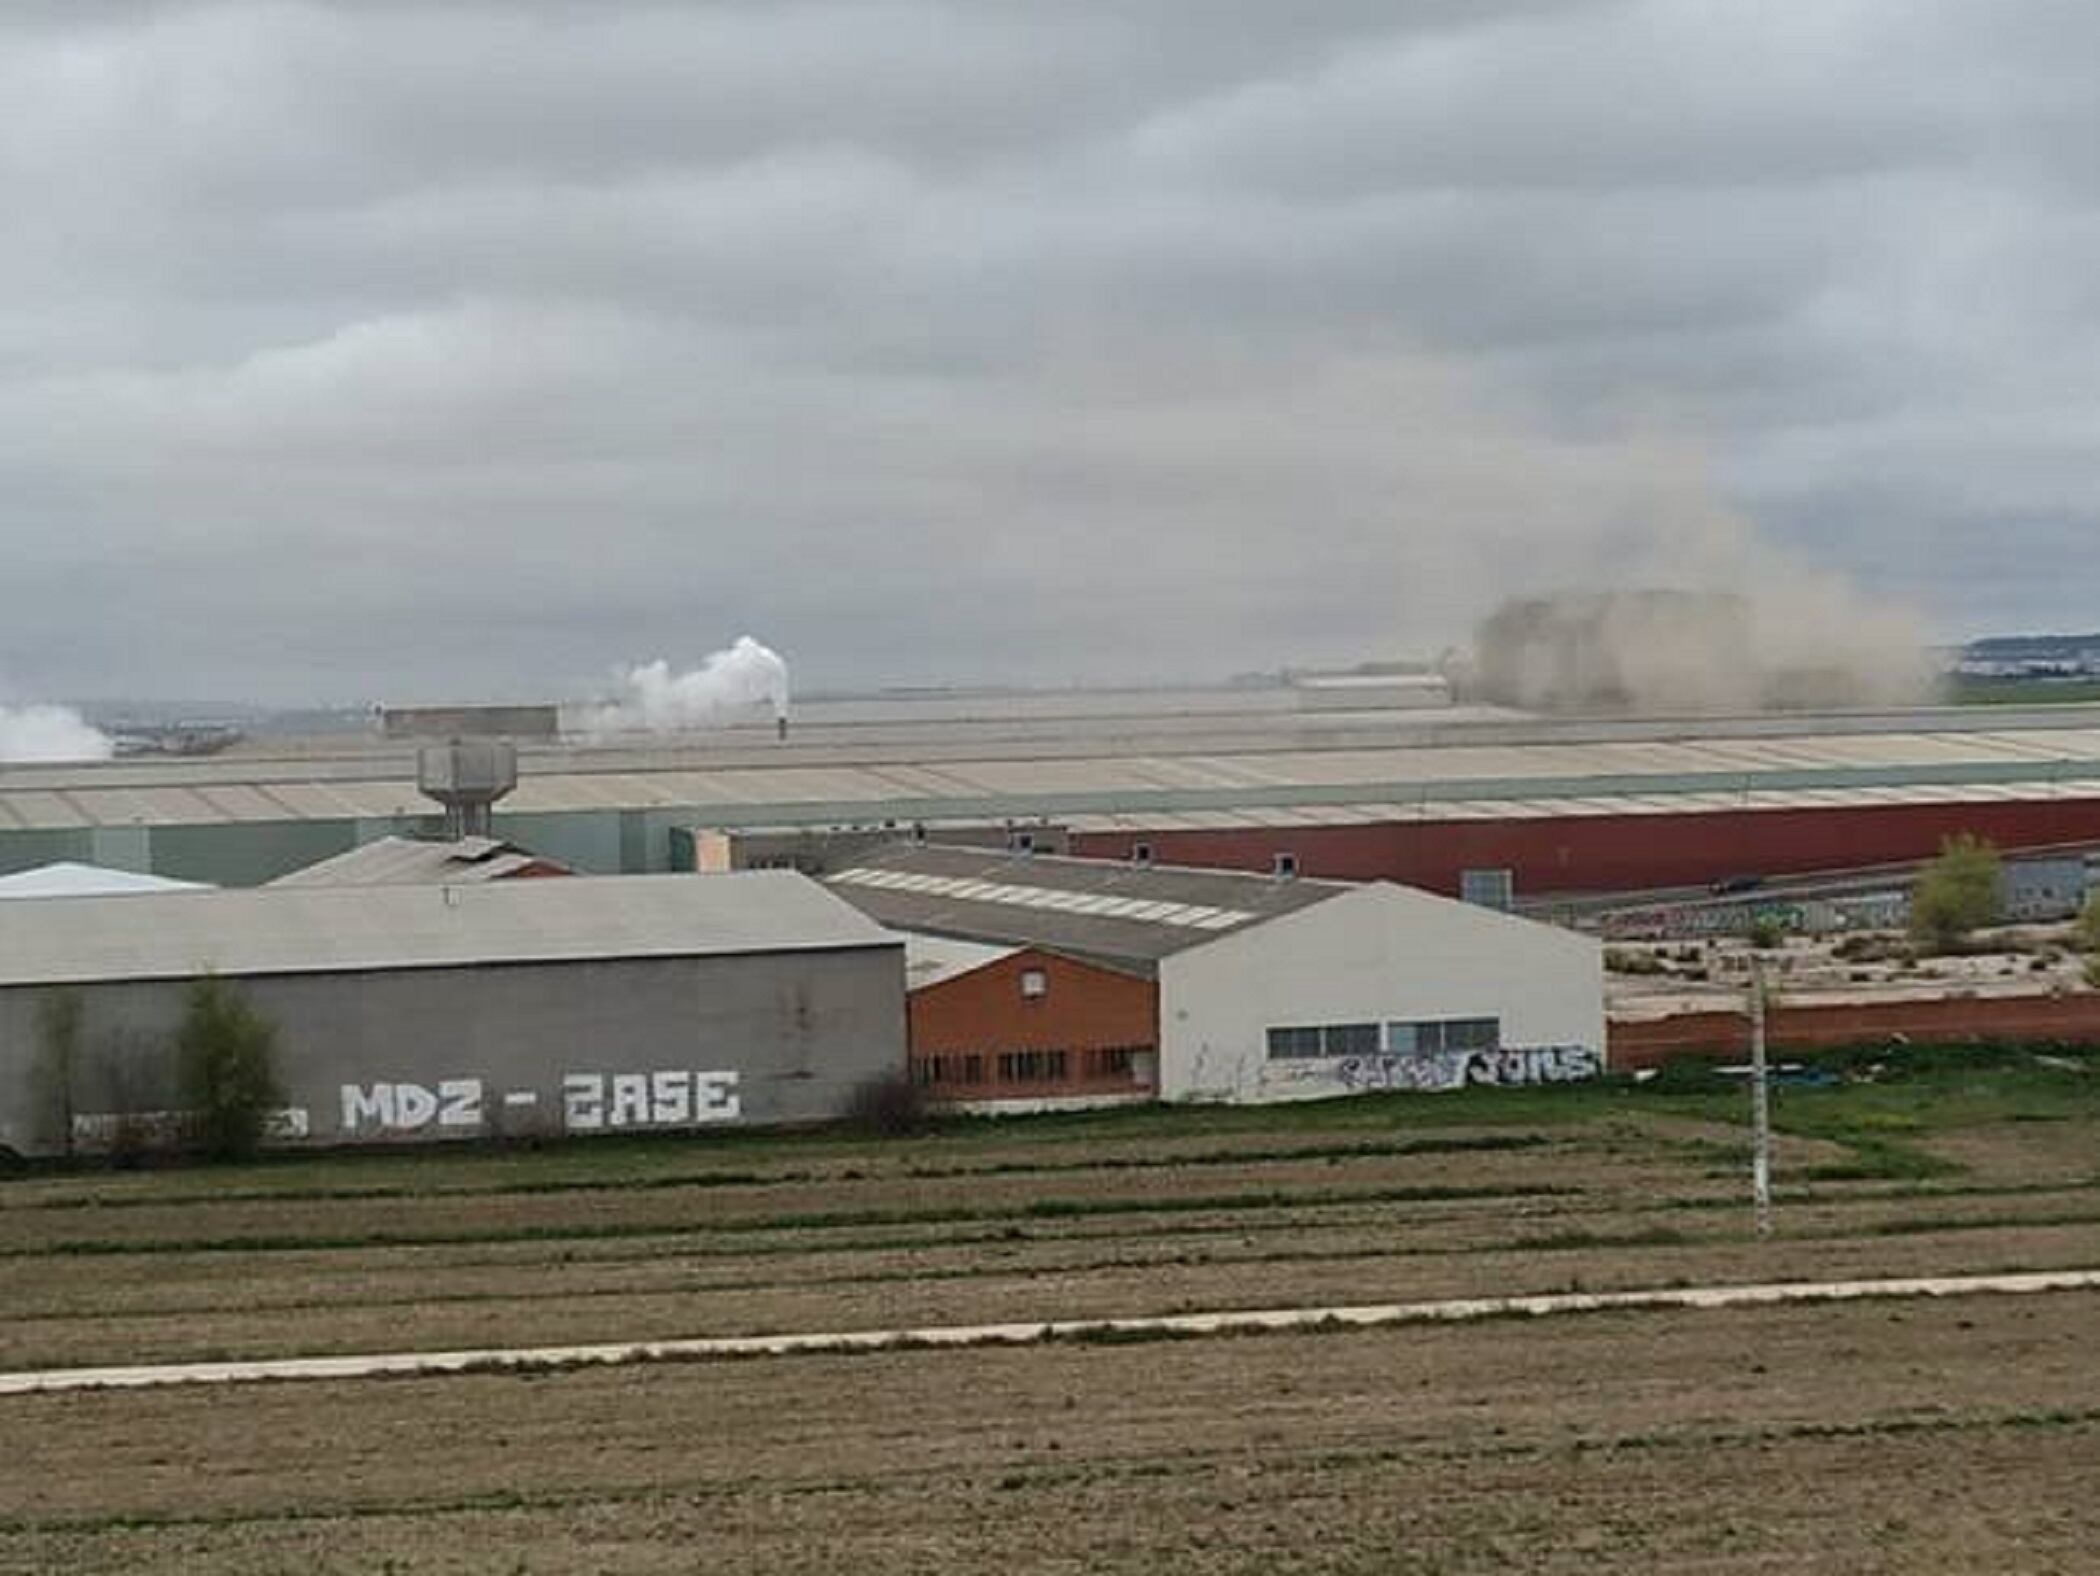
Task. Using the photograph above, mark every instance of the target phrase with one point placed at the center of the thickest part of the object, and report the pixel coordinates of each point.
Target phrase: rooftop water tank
(467, 777)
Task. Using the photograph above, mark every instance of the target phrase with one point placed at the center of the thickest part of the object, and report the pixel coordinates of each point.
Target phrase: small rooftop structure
(467, 777)
(408, 861)
(1126, 914)
(334, 929)
(68, 878)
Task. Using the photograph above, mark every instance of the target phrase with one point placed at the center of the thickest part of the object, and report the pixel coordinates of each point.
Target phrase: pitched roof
(1100, 909)
(929, 960)
(69, 879)
(393, 861)
(326, 929)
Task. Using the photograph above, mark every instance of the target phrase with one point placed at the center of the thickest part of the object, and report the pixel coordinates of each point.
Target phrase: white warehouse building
(1266, 987)
(1379, 987)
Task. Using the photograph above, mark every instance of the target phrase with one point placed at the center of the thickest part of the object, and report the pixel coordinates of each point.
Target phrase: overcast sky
(389, 348)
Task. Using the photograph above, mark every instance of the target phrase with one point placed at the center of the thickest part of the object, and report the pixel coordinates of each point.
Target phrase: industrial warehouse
(1200, 897)
(1120, 979)
(409, 1012)
(1421, 796)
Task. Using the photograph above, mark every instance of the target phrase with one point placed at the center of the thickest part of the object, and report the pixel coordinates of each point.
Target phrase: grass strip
(821, 1220)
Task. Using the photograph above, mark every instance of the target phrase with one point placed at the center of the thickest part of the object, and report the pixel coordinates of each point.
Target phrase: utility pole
(1760, 1101)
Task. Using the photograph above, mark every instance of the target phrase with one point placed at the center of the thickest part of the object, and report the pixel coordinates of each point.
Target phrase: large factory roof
(1089, 908)
(327, 930)
(1496, 769)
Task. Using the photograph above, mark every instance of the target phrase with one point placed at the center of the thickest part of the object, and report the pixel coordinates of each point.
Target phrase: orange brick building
(1029, 1028)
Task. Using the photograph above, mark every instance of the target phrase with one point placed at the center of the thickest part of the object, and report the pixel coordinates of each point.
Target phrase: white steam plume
(50, 733)
(739, 680)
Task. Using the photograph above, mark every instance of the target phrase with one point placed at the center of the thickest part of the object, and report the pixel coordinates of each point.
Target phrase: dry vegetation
(1902, 1436)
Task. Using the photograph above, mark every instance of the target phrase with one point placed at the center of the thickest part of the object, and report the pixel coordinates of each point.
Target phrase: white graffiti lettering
(591, 1102)
(410, 1107)
(362, 1107)
(459, 1102)
(1438, 1071)
(583, 1102)
(672, 1097)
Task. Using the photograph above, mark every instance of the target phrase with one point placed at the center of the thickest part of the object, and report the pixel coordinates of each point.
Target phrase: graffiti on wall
(96, 1130)
(591, 1102)
(1433, 1072)
(1805, 916)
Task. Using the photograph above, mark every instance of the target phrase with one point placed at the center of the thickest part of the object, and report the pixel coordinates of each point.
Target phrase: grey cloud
(348, 349)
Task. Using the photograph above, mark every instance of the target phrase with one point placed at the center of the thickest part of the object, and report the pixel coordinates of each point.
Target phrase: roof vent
(467, 777)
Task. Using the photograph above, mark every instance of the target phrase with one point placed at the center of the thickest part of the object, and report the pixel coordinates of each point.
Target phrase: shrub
(226, 1057)
(889, 1105)
(1956, 893)
(1630, 960)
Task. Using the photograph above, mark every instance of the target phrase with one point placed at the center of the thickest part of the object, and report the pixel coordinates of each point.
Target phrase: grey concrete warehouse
(589, 1005)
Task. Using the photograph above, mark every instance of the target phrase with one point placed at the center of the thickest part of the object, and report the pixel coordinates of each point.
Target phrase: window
(1472, 1034)
(1033, 1066)
(1427, 1037)
(1034, 983)
(1141, 853)
(1488, 888)
(1114, 1061)
(1284, 865)
(1350, 1039)
(1293, 1043)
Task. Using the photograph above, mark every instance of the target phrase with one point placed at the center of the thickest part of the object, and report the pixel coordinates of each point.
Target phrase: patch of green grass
(1963, 690)
(501, 1187)
(821, 1220)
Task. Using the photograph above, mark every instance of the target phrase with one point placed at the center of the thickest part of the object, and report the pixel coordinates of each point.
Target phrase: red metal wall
(1725, 1036)
(1605, 853)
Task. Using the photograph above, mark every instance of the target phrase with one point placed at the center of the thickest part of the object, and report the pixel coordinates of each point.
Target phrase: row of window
(1009, 1067)
(1421, 1037)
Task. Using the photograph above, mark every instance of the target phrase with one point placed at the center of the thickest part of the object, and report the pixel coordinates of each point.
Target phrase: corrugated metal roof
(401, 861)
(1090, 908)
(309, 930)
(1509, 777)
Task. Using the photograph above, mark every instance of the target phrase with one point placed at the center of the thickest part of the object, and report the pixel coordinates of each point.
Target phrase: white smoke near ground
(50, 733)
(740, 683)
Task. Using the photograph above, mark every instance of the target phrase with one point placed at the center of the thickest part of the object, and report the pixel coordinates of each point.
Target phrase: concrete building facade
(408, 1013)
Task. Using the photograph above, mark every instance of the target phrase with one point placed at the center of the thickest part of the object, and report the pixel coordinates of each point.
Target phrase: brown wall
(1609, 853)
(1085, 1009)
(1726, 1035)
